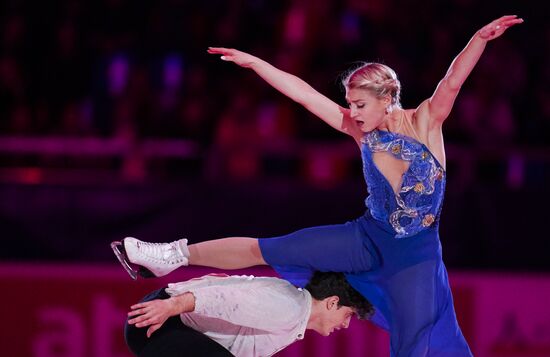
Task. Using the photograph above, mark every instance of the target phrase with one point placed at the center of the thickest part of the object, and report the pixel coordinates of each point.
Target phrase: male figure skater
(240, 315)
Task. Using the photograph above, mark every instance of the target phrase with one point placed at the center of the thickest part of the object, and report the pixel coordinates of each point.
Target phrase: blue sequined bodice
(417, 204)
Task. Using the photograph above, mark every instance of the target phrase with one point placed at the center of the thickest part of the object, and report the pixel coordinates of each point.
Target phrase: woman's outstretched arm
(293, 87)
(441, 102)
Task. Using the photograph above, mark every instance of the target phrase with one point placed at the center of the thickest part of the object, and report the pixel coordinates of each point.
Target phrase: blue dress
(392, 254)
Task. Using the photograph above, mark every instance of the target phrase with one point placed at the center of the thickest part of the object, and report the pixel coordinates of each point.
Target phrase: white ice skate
(151, 259)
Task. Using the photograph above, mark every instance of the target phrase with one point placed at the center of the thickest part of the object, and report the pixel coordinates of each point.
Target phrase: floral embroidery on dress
(415, 207)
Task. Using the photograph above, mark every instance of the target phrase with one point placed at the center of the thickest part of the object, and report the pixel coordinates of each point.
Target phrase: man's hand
(155, 312)
(151, 313)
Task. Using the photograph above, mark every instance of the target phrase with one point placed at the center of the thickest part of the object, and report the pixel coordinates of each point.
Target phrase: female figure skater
(392, 254)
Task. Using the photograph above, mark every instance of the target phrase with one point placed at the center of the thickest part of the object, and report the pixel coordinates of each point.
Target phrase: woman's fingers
(498, 26)
(508, 17)
(511, 22)
(507, 21)
(227, 53)
(219, 50)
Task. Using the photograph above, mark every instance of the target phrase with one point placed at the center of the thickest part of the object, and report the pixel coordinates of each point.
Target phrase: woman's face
(366, 110)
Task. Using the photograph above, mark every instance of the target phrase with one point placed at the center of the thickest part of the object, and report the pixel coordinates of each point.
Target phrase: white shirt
(250, 316)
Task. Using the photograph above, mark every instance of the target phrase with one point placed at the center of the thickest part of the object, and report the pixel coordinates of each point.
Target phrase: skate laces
(162, 252)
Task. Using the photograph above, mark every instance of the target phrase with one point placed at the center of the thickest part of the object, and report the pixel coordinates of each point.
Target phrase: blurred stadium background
(114, 121)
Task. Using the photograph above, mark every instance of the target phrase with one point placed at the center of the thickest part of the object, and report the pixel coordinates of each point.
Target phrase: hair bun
(378, 78)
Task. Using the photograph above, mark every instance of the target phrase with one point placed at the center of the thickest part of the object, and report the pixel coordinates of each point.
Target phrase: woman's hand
(151, 313)
(498, 26)
(243, 59)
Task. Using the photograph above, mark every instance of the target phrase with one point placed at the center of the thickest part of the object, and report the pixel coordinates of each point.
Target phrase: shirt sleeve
(263, 307)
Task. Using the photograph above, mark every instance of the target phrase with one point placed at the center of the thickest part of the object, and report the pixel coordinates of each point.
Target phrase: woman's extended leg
(341, 248)
(159, 259)
(338, 247)
(227, 253)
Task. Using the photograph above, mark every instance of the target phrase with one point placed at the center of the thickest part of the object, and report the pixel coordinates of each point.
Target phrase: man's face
(334, 317)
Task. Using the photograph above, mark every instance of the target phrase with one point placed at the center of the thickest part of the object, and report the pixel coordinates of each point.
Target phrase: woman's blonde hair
(377, 78)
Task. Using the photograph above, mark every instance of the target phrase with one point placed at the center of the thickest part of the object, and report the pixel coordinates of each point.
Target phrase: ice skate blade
(118, 249)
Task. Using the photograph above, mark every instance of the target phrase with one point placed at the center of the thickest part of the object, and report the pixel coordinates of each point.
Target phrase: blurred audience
(138, 70)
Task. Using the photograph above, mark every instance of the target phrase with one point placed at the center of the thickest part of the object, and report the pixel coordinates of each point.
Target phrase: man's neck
(313, 321)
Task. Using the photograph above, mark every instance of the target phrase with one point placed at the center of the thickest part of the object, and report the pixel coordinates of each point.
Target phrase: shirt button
(300, 335)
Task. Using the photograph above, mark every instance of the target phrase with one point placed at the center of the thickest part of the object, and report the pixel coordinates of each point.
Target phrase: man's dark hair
(326, 284)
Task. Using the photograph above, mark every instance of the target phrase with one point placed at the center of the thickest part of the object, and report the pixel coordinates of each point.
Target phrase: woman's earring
(387, 111)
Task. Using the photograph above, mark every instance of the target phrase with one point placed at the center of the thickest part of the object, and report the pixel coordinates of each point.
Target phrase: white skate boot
(152, 259)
